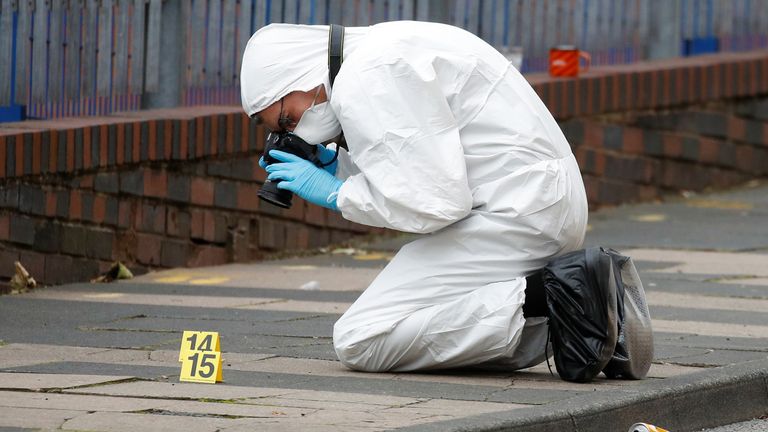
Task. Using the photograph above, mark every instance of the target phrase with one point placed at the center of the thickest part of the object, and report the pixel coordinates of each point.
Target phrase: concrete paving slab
(712, 342)
(727, 316)
(288, 274)
(720, 357)
(207, 291)
(691, 301)
(36, 418)
(125, 422)
(231, 408)
(176, 390)
(702, 262)
(75, 402)
(42, 381)
(16, 354)
(712, 329)
(702, 285)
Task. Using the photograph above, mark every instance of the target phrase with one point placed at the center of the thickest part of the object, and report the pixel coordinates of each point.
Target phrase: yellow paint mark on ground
(589, 227)
(373, 257)
(209, 281)
(299, 267)
(104, 295)
(719, 204)
(650, 217)
(173, 279)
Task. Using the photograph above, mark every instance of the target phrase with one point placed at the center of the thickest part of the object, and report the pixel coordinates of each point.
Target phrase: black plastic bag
(581, 289)
(634, 347)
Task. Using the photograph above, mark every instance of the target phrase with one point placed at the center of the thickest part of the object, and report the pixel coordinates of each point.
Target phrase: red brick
(167, 139)
(204, 255)
(247, 197)
(744, 158)
(152, 127)
(155, 183)
(5, 227)
(259, 174)
(183, 139)
(244, 130)
(589, 95)
(271, 234)
(199, 132)
(136, 146)
(75, 204)
(230, 133)
(178, 223)
(53, 154)
(50, 203)
(666, 89)
(765, 134)
(86, 147)
(197, 224)
(3, 149)
(86, 182)
(209, 226)
(20, 155)
(99, 208)
(315, 215)
(125, 214)
(633, 140)
(261, 135)
(335, 220)
(593, 134)
(296, 212)
(37, 150)
(70, 150)
(148, 249)
(214, 120)
(737, 128)
(296, 237)
(673, 145)
(7, 259)
(201, 191)
(34, 263)
(103, 145)
(709, 150)
(120, 144)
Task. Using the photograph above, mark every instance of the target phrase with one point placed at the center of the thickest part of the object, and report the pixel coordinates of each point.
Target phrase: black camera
(289, 143)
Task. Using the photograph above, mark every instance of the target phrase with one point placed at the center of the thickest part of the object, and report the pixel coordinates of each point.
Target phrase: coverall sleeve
(404, 139)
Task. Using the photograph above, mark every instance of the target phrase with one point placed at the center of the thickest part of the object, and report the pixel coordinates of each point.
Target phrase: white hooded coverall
(447, 139)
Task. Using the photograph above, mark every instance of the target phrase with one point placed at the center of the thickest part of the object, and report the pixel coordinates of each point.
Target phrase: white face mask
(318, 124)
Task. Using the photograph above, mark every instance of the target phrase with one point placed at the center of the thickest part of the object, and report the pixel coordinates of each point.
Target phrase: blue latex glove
(326, 155)
(303, 178)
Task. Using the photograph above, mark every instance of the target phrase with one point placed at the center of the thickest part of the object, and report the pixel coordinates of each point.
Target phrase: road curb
(710, 398)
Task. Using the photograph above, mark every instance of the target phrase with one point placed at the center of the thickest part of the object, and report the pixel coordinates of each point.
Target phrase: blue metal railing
(93, 57)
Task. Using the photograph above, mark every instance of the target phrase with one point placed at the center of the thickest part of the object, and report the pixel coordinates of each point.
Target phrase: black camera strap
(335, 50)
(335, 58)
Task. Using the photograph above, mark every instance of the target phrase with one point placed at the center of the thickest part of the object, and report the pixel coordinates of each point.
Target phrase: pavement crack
(156, 411)
(113, 329)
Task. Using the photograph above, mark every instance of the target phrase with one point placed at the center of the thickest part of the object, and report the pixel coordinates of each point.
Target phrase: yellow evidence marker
(200, 357)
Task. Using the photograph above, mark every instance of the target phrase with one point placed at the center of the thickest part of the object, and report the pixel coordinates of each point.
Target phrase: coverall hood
(280, 59)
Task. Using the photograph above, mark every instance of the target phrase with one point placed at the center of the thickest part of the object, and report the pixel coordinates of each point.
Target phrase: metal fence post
(664, 35)
(171, 59)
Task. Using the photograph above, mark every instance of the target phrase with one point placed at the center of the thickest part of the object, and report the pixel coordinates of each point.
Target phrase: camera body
(289, 143)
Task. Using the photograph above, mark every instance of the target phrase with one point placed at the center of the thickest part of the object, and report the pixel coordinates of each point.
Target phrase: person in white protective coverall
(445, 138)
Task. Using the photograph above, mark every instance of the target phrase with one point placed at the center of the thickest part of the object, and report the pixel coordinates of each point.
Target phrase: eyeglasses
(283, 121)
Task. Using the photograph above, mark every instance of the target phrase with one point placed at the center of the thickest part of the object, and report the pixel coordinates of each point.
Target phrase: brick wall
(162, 189)
(168, 188)
(646, 156)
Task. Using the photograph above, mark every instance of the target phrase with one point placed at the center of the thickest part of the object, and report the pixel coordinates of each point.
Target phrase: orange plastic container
(564, 61)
